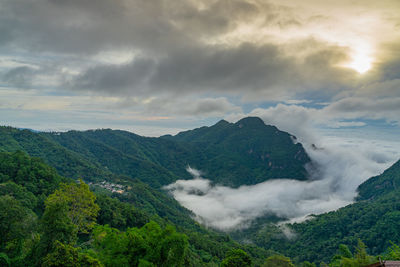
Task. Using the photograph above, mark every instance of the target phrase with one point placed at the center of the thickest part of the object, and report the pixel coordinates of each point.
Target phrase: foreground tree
(79, 204)
(147, 246)
(16, 223)
(236, 258)
(278, 261)
(393, 252)
(67, 255)
(70, 210)
(346, 259)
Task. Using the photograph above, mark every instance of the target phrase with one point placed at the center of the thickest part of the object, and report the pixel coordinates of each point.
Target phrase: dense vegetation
(375, 221)
(49, 220)
(118, 214)
(380, 185)
(247, 152)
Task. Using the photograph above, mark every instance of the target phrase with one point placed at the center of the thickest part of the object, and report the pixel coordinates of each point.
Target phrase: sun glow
(361, 61)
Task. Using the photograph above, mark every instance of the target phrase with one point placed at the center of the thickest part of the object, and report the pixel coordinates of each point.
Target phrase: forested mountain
(49, 220)
(385, 183)
(132, 221)
(247, 152)
(374, 219)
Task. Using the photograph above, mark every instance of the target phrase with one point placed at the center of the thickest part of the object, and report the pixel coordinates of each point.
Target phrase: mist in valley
(340, 165)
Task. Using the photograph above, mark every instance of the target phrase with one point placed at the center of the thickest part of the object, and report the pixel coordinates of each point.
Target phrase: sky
(157, 67)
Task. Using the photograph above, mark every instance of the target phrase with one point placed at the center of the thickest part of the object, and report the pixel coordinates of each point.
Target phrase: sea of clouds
(342, 163)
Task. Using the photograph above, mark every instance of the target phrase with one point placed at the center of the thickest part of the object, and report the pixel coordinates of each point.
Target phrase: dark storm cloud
(116, 79)
(71, 26)
(155, 27)
(88, 26)
(254, 49)
(19, 76)
(246, 69)
(192, 107)
(391, 67)
(387, 82)
(173, 46)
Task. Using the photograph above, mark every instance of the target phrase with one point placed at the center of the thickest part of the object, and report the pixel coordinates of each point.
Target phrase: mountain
(245, 152)
(382, 184)
(127, 171)
(374, 219)
(67, 162)
(233, 154)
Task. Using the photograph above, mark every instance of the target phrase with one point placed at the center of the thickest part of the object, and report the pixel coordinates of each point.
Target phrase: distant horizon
(390, 133)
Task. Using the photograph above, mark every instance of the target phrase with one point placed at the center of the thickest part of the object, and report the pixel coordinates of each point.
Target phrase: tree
(278, 261)
(346, 259)
(308, 264)
(67, 255)
(361, 256)
(16, 222)
(148, 246)
(236, 258)
(79, 203)
(393, 252)
(69, 210)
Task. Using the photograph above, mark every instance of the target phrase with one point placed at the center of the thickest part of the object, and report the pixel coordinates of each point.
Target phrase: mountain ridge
(226, 152)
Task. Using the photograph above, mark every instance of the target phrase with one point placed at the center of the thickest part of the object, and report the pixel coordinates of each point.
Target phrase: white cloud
(341, 165)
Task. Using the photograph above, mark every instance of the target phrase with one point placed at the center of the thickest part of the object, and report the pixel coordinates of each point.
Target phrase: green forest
(49, 220)
(95, 199)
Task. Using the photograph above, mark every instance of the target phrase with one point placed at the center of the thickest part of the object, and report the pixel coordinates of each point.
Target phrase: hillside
(374, 219)
(233, 154)
(26, 185)
(377, 186)
(126, 171)
(245, 152)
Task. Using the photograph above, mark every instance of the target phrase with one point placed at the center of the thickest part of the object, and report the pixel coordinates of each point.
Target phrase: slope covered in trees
(375, 221)
(382, 184)
(247, 152)
(65, 224)
(36, 218)
(49, 220)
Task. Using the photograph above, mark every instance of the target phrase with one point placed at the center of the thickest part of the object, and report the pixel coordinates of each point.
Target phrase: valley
(256, 178)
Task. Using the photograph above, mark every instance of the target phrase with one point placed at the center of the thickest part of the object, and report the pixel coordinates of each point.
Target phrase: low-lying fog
(343, 164)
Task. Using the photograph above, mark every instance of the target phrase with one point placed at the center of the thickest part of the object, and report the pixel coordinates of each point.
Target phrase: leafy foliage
(16, 223)
(236, 258)
(345, 257)
(31, 173)
(119, 214)
(78, 202)
(138, 246)
(70, 210)
(54, 239)
(278, 261)
(67, 255)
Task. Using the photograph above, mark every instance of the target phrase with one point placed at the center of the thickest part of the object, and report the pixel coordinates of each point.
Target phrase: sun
(361, 61)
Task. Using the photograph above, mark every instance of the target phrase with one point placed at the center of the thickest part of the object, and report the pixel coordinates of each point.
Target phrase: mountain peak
(222, 122)
(250, 121)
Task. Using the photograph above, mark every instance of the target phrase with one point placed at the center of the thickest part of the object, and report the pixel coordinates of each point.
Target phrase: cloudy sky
(159, 66)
